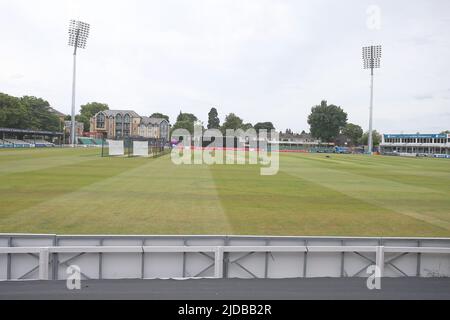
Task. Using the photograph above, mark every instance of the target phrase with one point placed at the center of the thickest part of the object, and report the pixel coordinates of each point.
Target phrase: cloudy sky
(263, 60)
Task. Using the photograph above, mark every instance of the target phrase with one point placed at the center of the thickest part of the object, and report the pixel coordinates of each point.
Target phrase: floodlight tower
(371, 56)
(78, 34)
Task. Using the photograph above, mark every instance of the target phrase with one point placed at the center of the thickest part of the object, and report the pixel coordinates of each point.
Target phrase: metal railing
(130, 260)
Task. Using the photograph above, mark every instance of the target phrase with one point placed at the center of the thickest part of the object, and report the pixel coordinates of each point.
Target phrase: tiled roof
(113, 113)
(144, 120)
(58, 113)
(148, 120)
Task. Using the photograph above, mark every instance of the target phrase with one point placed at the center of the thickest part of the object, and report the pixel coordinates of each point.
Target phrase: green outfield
(75, 191)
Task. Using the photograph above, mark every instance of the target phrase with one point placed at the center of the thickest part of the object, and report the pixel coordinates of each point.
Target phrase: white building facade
(416, 144)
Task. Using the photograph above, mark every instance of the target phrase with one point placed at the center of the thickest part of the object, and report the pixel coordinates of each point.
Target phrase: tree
(264, 125)
(352, 132)
(326, 121)
(185, 121)
(213, 119)
(232, 121)
(246, 126)
(13, 113)
(159, 115)
(186, 117)
(88, 110)
(39, 115)
(376, 138)
(69, 118)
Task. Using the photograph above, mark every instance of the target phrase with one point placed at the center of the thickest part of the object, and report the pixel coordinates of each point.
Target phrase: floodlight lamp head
(371, 57)
(78, 33)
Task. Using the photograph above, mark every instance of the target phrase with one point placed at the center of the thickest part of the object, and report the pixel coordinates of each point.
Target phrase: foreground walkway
(209, 289)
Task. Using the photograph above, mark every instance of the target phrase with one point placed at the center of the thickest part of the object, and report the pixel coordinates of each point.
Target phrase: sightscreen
(140, 148)
(116, 147)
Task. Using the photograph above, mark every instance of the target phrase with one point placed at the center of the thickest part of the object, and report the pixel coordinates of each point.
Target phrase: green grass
(78, 192)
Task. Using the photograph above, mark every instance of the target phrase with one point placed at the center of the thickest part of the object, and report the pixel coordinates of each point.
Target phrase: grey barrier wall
(33, 256)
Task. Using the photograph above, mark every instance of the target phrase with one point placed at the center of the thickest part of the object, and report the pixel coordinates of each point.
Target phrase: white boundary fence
(29, 256)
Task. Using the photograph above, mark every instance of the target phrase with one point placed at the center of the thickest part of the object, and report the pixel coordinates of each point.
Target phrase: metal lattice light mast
(78, 34)
(371, 56)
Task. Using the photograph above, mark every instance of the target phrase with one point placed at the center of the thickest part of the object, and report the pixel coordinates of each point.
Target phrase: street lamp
(78, 34)
(371, 56)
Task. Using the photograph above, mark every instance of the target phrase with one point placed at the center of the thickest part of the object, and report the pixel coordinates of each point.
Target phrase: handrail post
(379, 259)
(43, 263)
(218, 262)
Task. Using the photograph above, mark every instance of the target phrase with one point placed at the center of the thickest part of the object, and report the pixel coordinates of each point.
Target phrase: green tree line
(327, 122)
(232, 121)
(27, 112)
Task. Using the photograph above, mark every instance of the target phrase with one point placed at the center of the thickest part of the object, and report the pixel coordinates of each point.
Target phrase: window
(118, 125)
(126, 125)
(164, 128)
(100, 120)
